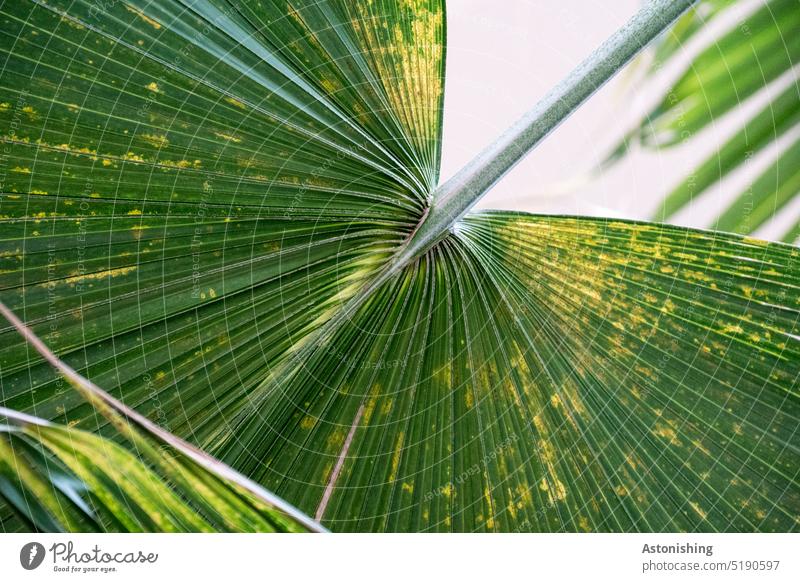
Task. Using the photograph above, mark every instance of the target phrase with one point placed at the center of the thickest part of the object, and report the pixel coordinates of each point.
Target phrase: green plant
(748, 57)
(65, 479)
(230, 220)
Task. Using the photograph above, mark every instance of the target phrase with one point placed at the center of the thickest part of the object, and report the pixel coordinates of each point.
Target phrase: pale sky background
(505, 55)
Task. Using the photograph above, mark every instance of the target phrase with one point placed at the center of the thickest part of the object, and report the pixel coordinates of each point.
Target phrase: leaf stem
(454, 198)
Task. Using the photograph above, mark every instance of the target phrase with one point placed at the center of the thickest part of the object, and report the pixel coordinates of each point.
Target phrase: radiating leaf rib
(550, 374)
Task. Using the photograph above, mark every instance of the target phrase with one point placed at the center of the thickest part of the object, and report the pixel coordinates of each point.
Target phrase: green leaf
(192, 187)
(524, 373)
(60, 478)
(684, 29)
(191, 190)
(548, 374)
(792, 235)
(778, 117)
(770, 192)
(735, 66)
(747, 57)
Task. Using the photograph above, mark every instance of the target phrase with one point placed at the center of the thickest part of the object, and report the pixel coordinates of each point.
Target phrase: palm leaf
(59, 478)
(183, 204)
(193, 187)
(65, 479)
(549, 374)
(306, 305)
(749, 57)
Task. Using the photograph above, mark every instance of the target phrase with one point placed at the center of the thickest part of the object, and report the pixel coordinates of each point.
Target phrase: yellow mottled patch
(235, 102)
(583, 523)
(733, 329)
(307, 422)
(620, 490)
(144, 17)
(444, 375)
(153, 87)
(524, 496)
(487, 497)
(134, 157)
(755, 241)
(228, 137)
(134, 212)
(667, 433)
(555, 493)
(468, 399)
(330, 85)
(157, 141)
(336, 438)
(668, 306)
(21, 170)
(398, 451)
(408, 487)
(100, 275)
(701, 448)
(182, 164)
(698, 510)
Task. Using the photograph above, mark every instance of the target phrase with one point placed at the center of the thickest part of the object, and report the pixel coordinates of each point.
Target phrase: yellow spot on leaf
(144, 17)
(100, 275)
(228, 137)
(157, 141)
